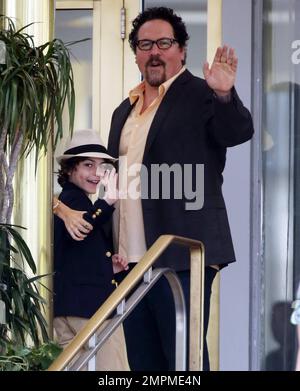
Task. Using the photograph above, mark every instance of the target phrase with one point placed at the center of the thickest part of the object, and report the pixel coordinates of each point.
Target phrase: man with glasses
(173, 117)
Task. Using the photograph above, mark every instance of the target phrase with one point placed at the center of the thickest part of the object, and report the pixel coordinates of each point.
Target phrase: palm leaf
(24, 304)
(40, 76)
(21, 244)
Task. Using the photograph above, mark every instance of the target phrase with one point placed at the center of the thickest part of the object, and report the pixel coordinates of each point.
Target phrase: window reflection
(281, 180)
(74, 25)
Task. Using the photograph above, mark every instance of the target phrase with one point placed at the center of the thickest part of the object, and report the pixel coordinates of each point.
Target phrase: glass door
(279, 248)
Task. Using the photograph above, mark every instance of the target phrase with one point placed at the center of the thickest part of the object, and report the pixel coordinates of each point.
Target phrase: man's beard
(155, 78)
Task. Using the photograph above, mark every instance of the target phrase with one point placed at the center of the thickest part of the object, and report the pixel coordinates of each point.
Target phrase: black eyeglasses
(162, 43)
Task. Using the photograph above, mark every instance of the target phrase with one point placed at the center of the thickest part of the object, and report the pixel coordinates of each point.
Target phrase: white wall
(234, 290)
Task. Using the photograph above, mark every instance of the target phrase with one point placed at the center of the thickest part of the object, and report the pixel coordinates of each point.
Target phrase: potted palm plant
(35, 84)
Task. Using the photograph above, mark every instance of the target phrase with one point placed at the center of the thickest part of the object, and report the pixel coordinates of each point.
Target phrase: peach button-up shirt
(128, 223)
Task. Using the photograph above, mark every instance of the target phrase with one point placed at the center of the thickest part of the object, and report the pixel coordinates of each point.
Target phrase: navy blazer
(83, 269)
(191, 126)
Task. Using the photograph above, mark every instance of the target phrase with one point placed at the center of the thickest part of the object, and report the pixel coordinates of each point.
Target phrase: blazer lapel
(166, 105)
(117, 126)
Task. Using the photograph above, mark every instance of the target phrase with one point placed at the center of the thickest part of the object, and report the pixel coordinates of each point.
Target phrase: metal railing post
(196, 310)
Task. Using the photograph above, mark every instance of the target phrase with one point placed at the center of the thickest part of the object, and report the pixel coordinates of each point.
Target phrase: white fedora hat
(85, 142)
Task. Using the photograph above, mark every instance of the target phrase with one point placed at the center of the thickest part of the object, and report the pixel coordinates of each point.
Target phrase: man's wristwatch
(224, 99)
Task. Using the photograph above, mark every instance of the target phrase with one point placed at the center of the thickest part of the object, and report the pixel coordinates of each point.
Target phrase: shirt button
(108, 253)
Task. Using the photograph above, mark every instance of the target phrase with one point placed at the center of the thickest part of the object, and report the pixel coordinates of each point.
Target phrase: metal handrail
(150, 279)
(196, 302)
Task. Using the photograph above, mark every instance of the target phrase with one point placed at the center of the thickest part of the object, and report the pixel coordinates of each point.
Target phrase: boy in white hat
(84, 276)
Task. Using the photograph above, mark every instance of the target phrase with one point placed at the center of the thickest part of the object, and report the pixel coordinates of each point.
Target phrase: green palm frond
(35, 84)
(23, 249)
(24, 305)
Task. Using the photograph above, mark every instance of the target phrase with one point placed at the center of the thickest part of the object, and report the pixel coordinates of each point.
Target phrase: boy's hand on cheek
(108, 187)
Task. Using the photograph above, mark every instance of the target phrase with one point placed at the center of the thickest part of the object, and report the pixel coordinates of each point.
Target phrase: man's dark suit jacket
(83, 270)
(191, 126)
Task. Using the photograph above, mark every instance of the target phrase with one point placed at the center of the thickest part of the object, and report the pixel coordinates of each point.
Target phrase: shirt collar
(138, 91)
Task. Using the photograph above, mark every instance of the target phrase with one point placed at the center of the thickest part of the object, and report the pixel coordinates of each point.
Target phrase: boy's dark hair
(66, 166)
(162, 13)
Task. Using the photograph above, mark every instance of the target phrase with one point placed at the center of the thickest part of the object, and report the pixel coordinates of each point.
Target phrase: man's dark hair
(162, 13)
